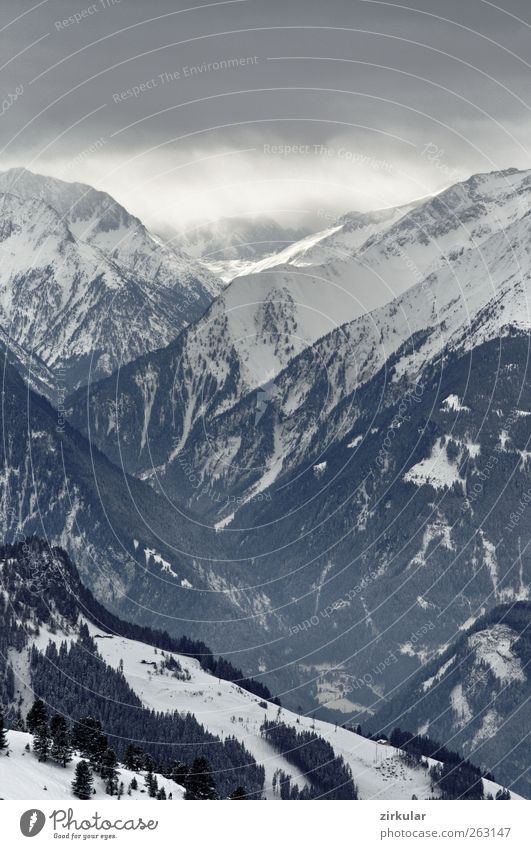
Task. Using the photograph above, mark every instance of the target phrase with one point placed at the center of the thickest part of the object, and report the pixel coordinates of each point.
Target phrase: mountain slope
(83, 282)
(49, 620)
(185, 407)
(341, 240)
(23, 776)
(131, 546)
(475, 696)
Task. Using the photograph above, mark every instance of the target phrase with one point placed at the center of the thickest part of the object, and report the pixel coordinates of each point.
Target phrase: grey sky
(358, 89)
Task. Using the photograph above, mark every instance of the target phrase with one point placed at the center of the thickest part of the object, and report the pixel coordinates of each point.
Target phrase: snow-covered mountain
(353, 500)
(358, 460)
(128, 543)
(170, 400)
(83, 284)
(342, 239)
(69, 623)
(231, 246)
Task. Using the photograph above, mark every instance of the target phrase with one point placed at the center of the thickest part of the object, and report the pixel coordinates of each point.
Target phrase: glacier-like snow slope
(80, 277)
(232, 246)
(23, 776)
(341, 240)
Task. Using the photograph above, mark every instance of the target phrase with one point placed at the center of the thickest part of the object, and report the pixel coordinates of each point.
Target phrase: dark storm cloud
(188, 109)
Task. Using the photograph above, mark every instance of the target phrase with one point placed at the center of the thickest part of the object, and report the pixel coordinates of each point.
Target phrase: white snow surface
(23, 776)
(435, 470)
(225, 709)
(493, 646)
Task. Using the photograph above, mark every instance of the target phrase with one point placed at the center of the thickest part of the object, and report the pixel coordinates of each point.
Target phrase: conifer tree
(41, 742)
(61, 748)
(109, 771)
(200, 782)
(37, 715)
(179, 772)
(239, 793)
(152, 784)
(134, 758)
(82, 783)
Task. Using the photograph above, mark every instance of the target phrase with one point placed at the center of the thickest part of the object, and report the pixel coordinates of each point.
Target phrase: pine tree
(134, 758)
(83, 733)
(82, 783)
(3, 736)
(239, 793)
(134, 784)
(97, 749)
(41, 742)
(37, 715)
(109, 771)
(19, 724)
(61, 750)
(179, 773)
(152, 784)
(200, 782)
(161, 794)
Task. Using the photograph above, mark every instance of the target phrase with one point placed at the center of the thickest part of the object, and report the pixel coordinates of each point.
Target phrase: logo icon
(32, 822)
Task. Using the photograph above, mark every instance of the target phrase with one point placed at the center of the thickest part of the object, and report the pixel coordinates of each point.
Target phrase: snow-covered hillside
(225, 709)
(23, 776)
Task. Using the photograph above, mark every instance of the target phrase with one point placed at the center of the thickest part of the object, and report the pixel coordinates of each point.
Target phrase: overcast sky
(302, 108)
